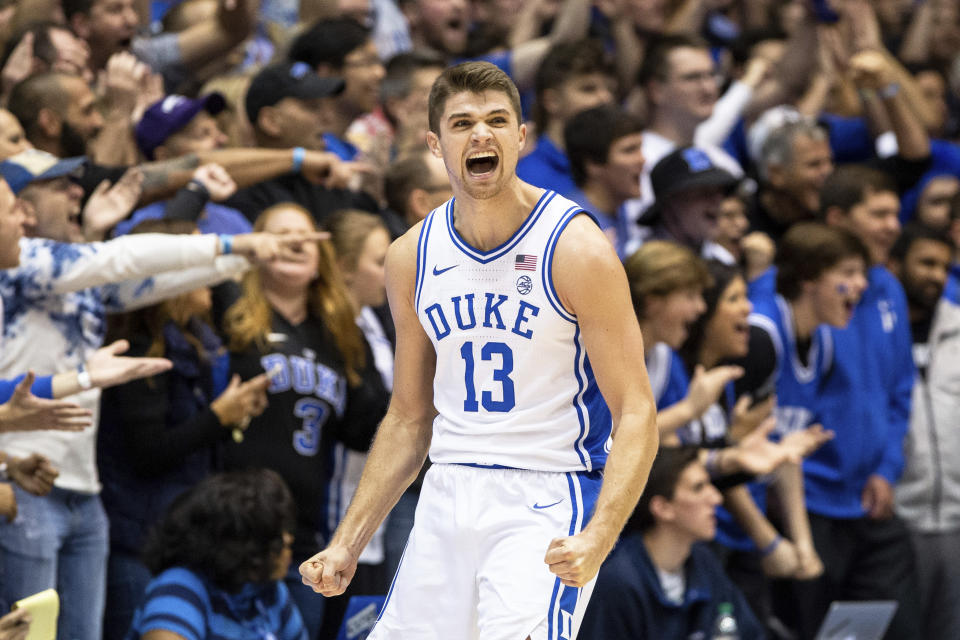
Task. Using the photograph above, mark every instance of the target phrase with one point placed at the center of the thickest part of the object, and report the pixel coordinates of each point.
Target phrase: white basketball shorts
(473, 567)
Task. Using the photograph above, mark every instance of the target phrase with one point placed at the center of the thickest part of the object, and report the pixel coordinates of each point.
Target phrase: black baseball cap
(682, 170)
(288, 80)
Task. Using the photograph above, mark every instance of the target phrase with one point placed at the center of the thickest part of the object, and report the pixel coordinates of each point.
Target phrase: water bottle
(725, 625)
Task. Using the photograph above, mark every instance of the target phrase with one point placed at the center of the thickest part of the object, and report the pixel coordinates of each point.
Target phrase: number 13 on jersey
(502, 356)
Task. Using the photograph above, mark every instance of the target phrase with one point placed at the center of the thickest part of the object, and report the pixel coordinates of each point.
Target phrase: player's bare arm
(402, 440)
(592, 285)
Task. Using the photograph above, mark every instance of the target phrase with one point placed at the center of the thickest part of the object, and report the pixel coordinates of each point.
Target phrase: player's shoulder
(586, 271)
(584, 244)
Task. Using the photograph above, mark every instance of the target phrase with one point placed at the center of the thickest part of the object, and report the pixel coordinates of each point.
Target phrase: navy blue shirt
(628, 601)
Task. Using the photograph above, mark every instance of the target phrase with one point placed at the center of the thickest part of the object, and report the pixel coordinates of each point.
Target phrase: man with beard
(58, 115)
(58, 112)
(928, 495)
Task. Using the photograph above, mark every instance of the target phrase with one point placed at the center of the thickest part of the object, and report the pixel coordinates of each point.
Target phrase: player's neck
(489, 222)
(668, 549)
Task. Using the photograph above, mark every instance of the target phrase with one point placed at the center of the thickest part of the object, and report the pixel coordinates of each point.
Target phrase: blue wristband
(298, 154)
(226, 244)
(770, 548)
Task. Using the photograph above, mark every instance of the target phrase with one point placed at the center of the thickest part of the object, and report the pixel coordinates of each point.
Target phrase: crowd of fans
(196, 202)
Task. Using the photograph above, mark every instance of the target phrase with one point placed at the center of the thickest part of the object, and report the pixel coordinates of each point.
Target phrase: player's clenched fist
(575, 559)
(330, 571)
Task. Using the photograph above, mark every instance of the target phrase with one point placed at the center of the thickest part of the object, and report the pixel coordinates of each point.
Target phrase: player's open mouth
(482, 163)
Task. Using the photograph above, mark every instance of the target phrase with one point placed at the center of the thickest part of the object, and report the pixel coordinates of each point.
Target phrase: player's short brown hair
(473, 77)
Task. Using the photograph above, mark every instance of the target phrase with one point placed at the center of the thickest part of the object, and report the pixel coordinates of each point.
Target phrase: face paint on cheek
(843, 289)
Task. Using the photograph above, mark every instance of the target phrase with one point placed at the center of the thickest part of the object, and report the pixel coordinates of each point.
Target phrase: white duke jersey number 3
(513, 385)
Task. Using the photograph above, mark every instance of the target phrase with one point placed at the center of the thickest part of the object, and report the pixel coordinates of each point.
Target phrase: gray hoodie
(928, 494)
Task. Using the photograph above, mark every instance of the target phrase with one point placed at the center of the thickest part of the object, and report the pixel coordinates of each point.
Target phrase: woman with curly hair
(218, 557)
(293, 319)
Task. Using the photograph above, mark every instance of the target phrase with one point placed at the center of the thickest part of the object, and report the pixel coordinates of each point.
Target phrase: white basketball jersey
(513, 385)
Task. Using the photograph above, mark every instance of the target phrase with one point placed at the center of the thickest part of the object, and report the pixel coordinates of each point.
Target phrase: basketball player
(513, 316)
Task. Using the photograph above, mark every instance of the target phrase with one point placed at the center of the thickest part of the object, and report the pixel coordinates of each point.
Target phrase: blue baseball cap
(171, 114)
(34, 165)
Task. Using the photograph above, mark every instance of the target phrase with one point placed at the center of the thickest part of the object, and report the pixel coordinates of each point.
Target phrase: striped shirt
(180, 601)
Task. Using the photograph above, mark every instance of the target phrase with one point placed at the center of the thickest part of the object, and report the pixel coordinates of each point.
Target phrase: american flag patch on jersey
(525, 262)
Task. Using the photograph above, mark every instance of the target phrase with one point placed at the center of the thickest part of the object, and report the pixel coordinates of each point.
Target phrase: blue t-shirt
(547, 167)
(180, 601)
(216, 218)
(614, 227)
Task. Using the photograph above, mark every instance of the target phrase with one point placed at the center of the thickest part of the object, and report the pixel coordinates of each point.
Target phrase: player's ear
(433, 142)
(523, 136)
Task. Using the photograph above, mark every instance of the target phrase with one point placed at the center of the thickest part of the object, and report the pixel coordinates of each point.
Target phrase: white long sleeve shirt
(54, 318)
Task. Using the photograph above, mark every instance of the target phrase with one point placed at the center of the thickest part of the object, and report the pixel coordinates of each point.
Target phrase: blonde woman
(293, 319)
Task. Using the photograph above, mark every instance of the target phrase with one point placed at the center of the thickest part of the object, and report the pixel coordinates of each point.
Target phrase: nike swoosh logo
(437, 272)
(546, 506)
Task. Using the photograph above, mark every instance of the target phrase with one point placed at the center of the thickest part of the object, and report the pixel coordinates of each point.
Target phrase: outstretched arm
(402, 441)
(592, 284)
(246, 166)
